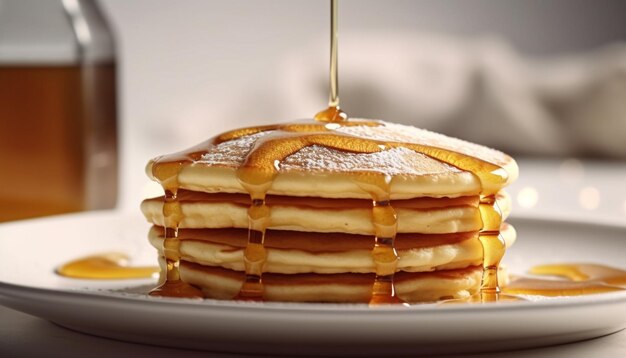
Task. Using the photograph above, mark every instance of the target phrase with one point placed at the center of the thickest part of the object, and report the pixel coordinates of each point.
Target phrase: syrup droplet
(331, 115)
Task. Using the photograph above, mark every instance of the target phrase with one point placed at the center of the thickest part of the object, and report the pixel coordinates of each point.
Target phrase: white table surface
(558, 186)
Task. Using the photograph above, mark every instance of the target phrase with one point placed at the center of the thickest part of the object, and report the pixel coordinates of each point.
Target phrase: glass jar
(58, 109)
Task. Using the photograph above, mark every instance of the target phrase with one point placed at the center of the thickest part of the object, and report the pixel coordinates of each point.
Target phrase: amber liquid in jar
(57, 139)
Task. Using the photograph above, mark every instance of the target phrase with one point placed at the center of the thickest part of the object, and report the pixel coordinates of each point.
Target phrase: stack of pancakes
(320, 234)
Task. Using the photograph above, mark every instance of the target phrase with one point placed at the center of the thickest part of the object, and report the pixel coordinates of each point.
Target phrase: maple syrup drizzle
(333, 113)
(105, 266)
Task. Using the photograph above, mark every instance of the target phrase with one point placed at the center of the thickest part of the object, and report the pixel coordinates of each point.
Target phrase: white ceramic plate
(31, 250)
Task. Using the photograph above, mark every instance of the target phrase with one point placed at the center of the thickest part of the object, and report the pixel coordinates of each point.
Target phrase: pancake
(411, 287)
(349, 211)
(302, 218)
(440, 256)
(323, 172)
(356, 221)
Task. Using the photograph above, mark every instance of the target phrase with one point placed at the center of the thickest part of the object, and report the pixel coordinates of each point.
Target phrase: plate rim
(12, 290)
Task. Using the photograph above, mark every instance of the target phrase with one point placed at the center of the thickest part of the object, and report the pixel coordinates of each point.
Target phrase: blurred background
(544, 80)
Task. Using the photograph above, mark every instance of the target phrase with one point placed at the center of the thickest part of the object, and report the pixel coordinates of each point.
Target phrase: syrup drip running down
(255, 254)
(385, 222)
(493, 246)
(384, 253)
(172, 215)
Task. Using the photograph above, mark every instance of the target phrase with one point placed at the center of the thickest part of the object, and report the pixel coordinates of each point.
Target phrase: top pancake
(324, 172)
